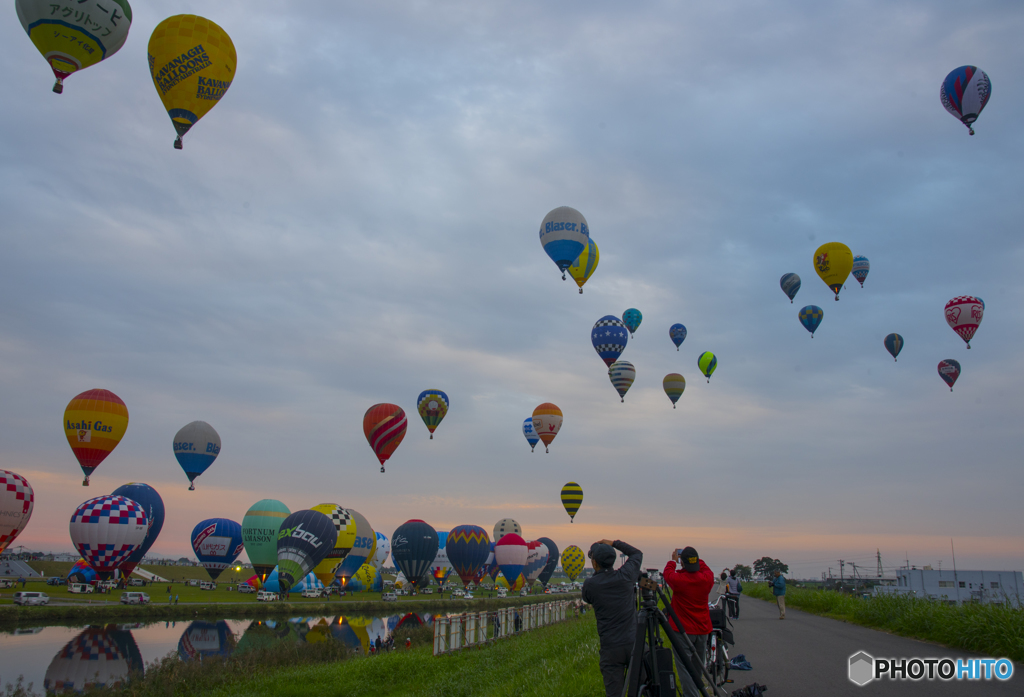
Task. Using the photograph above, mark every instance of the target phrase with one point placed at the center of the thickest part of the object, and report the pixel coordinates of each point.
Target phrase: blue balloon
(810, 317)
(531, 435)
(205, 639)
(217, 542)
(310, 581)
(677, 333)
(790, 284)
(609, 337)
(196, 446)
(413, 549)
(468, 548)
(553, 559)
(145, 496)
(564, 234)
(894, 344)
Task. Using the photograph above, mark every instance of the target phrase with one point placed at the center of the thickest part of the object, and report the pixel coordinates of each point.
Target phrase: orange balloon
(384, 426)
(547, 421)
(94, 423)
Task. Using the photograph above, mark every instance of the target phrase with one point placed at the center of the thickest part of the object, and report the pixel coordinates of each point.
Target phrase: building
(956, 587)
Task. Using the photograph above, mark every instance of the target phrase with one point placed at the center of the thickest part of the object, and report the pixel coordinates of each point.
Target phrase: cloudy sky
(356, 221)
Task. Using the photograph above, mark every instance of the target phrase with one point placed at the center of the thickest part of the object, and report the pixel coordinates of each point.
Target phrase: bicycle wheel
(710, 658)
(722, 666)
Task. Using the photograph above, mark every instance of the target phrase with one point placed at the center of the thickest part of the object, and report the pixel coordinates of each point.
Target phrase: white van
(245, 588)
(311, 593)
(266, 596)
(502, 593)
(386, 597)
(81, 588)
(207, 586)
(31, 598)
(134, 598)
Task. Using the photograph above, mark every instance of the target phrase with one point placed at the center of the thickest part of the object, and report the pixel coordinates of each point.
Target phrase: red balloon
(384, 426)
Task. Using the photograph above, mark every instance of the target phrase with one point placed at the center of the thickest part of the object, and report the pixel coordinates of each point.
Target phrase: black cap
(690, 560)
(603, 554)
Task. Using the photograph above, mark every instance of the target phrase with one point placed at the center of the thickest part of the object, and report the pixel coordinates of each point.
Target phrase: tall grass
(994, 630)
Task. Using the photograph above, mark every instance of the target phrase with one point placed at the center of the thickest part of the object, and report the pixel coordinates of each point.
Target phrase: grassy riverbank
(994, 630)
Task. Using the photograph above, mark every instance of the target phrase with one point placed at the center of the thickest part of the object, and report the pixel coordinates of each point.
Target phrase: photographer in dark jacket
(611, 592)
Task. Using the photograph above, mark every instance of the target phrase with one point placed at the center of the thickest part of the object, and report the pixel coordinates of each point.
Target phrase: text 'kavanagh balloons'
(963, 315)
(94, 423)
(893, 344)
(811, 317)
(833, 261)
(17, 499)
(790, 284)
(674, 385)
(622, 374)
(609, 337)
(563, 235)
(964, 93)
(547, 422)
(304, 540)
(147, 497)
(106, 530)
(260, 526)
(586, 264)
(432, 406)
(572, 499)
(196, 446)
(217, 542)
(384, 426)
(949, 371)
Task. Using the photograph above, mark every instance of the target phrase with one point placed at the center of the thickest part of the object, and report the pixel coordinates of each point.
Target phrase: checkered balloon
(106, 529)
(16, 502)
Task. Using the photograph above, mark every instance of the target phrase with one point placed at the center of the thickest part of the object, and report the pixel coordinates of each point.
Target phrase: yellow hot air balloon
(345, 524)
(192, 62)
(94, 423)
(72, 35)
(833, 261)
(586, 264)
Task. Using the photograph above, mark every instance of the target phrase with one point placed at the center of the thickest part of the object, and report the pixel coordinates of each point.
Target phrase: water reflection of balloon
(674, 384)
(432, 406)
(531, 435)
(949, 371)
(260, 526)
(384, 426)
(677, 333)
(790, 284)
(586, 264)
(17, 499)
(97, 657)
(94, 423)
(563, 235)
(147, 497)
(303, 542)
(622, 374)
(707, 362)
(893, 344)
(833, 261)
(609, 338)
(547, 422)
(196, 446)
(106, 530)
(861, 267)
(205, 640)
(573, 560)
(811, 317)
(963, 315)
(964, 93)
(572, 499)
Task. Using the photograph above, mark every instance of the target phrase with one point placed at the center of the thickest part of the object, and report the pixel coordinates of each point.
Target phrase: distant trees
(743, 572)
(765, 567)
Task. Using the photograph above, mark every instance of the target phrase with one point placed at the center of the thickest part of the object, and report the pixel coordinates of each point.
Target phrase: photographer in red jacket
(690, 589)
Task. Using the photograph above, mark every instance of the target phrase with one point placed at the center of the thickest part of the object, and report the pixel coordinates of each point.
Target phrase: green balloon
(260, 526)
(707, 364)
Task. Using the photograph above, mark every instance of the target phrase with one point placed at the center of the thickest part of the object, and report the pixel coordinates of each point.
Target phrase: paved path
(808, 655)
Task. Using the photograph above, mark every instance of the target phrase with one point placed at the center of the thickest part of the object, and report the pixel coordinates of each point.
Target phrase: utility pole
(842, 564)
(878, 556)
(956, 581)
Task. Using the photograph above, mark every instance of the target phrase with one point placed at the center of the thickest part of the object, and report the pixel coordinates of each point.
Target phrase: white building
(957, 587)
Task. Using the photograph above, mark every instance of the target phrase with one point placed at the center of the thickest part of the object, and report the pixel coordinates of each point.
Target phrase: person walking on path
(732, 595)
(779, 590)
(611, 593)
(690, 590)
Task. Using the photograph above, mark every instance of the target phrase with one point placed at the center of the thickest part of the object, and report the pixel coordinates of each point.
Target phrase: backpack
(739, 587)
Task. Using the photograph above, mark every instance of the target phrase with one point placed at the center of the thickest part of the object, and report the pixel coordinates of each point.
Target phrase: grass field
(994, 630)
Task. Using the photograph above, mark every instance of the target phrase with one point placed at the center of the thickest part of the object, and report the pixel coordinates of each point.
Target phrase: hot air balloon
(468, 548)
(963, 315)
(363, 546)
(196, 446)
(106, 530)
(192, 63)
(217, 542)
(536, 560)
(304, 540)
(75, 36)
(204, 639)
(861, 267)
(964, 93)
(504, 527)
(432, 406)
(345, 526)
(366, 578)
(384, 426)
(549, 568)
(811, 317)
(563, 235)
(790, 284)
(893, 344)
(622, 374)
(674, 384)
(677, 333)
(531, 435)
(510, 553)
(573, 560)
(273, 584)
(260, 526)
(441, 566)
(586, 264)
(833, 261)
(97, 657)
(572, 499)
(381, 552)
(94, 423)
(17, 499)
(81, 572)
(632, 319)
(147, 497)
(707, 362)
(609, 337)
(949, 371)
(547, 422)
(413, 547)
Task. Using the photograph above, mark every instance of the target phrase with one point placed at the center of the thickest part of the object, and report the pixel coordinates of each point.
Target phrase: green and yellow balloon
(707, 364)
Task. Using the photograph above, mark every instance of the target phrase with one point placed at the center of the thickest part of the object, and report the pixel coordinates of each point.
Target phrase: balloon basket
(382, 469)
(563, 275)
(177, 143)
(969, 129)
(673, 406)
(581, 291)
(545, 448)
(85, 482)
(623, 400)
(58, 88)
(191, 487)
(431, 436)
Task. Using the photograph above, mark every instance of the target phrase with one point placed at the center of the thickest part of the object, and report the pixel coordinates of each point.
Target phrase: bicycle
(716, 653)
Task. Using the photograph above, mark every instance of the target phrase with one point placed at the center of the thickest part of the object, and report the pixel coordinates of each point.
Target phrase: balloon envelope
(364, 544)
(468, 548)
(413, 547)
(572, 498)
(432, 406)
(217, 542)
(98, 657)
(632, 319)
(963, 315)
(549, 568)
(563, 235)
(622, 374)
(811, 317)
(949, 371)
(531, 435)
(381, 552)
(94, 423)
(609, 337)
(964, 93)
(106, 530)
(504, 527)
(147, 497)
(192, 62)
(790, 284)
(547, 422)
(81, 572)
(441, 566)
(707, 362)
(586, 264)
(304, 540)
(196, 446)
(273, 585)
(677, 333)
(510, 553)
(89, 32)
(893, 344)
(206, 639)
(861, 267)
(674, 384)
(536, 560)
(17, 499)
(260, 526)
(384, 426)
(345, 526)
(573, 560)
(833, 261)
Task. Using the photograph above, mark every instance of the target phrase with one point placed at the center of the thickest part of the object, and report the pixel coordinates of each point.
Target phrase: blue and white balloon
(564, 235)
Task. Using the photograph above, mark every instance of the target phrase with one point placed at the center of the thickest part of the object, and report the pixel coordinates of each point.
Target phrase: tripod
(650, 672)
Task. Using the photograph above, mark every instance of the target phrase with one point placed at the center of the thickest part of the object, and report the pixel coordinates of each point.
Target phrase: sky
(356, 221)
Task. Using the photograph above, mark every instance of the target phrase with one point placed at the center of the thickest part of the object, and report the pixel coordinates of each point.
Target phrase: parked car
(192, 582)
(135, 582)
(386, 597)
(31, 598)
(81, 588)
(55, 581)
(266, 596)
(502, 593)
(6, 583)
(108, 584)
(245, 588)
(427, 591)
(207, 586)
(469, 595)
(134, 598)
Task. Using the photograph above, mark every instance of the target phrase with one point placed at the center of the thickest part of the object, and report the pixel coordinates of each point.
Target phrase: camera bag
(718, 619)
